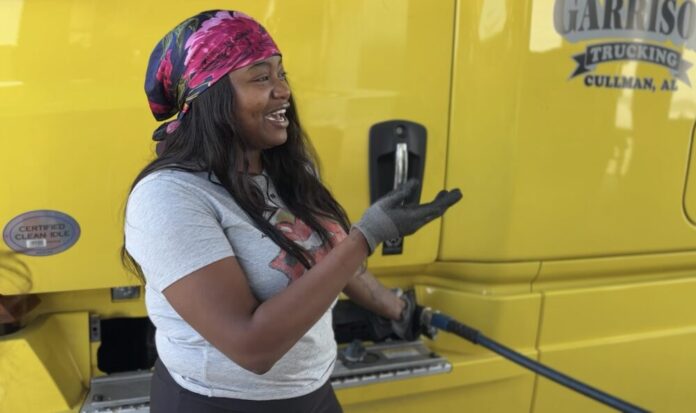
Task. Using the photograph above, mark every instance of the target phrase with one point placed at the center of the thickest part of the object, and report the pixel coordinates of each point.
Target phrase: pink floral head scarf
(196, 54)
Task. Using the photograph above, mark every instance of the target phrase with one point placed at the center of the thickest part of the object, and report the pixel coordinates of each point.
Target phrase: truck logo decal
(609, 52)
(637, 21)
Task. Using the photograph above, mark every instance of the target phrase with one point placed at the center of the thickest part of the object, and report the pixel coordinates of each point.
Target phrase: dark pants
(167, 396)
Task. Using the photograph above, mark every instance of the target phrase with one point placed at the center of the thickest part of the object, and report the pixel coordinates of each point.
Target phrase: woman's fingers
(446, 198)
(449, 198)
(412, 218)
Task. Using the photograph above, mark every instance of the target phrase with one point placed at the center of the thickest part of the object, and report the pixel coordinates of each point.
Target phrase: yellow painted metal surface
(553, 168)
(590, 184)
(574, 242)
(45, 367)
(478, 377)
(96, 302)
(355, 64)
(623, 324)
(690, 187)
(75, 126)
(474, 384)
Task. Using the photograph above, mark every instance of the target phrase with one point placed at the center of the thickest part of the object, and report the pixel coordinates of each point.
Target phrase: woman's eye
(283, 75)
(262, 78)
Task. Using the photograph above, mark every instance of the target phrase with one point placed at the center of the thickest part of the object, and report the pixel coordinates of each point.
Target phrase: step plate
(395, 360)
(119, 392)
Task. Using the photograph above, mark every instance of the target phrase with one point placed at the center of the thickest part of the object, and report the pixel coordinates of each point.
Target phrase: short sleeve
(171, 231)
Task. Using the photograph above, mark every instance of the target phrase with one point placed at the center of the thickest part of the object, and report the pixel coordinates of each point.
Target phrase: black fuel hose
(446, 323)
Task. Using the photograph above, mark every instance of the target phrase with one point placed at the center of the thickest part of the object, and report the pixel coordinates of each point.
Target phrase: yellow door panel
(356, 64)
(76, 129)
(578, 166)
(552, 167)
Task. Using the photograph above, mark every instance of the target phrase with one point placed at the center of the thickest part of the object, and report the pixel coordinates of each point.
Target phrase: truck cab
(567, 125)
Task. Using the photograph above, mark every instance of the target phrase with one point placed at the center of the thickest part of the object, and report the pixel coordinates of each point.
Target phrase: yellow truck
(567, 124)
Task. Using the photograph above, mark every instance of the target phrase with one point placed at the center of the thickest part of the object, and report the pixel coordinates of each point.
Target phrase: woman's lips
(278, 118)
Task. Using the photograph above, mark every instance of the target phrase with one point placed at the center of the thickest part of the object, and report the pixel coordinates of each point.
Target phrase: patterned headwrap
(196, 54)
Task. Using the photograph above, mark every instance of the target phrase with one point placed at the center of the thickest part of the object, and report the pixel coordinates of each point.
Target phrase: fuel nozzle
(425, 317)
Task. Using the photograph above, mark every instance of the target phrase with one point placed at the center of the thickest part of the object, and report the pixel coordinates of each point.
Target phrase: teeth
(278, 115)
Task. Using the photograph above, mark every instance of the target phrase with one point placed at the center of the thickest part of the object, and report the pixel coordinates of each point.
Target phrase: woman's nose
(281, 90)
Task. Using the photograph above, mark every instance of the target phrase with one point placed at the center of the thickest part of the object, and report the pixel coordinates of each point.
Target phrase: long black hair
(207, 140)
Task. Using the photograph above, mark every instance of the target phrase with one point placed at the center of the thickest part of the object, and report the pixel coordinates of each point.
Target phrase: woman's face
(262, 96)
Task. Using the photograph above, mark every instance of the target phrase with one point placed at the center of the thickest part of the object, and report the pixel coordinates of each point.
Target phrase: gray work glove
(410, 325)
(407, 327)
(388, 218)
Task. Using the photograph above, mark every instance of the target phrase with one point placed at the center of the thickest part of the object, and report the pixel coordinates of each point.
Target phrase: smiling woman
(243, 249)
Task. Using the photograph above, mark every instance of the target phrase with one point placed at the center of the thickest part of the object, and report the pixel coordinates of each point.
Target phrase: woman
(242, 248)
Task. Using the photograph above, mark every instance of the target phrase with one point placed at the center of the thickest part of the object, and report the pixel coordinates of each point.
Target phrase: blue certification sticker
(41, 233)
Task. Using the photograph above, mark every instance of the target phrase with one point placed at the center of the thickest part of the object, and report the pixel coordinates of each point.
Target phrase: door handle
(397, 154)
(400, 164)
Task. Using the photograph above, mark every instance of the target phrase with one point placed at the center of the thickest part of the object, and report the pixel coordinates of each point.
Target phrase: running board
(119, 392)
(359, 365)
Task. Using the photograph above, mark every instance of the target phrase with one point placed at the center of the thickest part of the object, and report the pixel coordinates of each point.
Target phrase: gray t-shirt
(178, 222)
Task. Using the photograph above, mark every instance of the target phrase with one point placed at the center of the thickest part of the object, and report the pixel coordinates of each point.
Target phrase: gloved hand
(388, 218)
(411, 325)
(408, 326)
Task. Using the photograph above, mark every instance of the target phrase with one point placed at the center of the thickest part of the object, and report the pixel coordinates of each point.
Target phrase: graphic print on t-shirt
(300, 233)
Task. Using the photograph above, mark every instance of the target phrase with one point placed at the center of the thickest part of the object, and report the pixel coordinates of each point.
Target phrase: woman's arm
(217, 301)
(366, 291)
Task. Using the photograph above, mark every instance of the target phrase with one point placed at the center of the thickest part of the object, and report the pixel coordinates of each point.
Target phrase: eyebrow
(263, 63)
